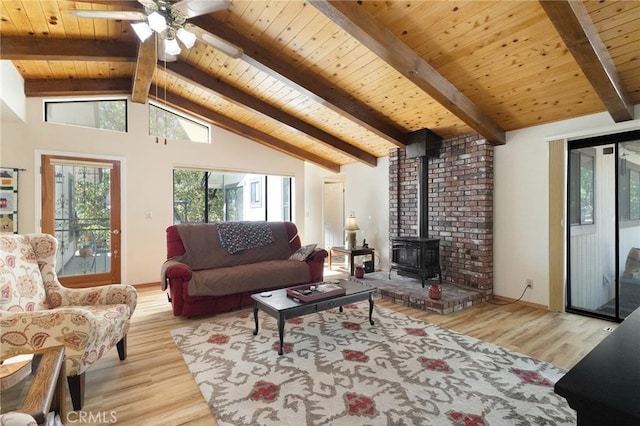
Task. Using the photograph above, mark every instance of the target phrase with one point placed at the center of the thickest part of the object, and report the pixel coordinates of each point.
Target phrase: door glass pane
(82, 219)
(592, 233)
(629, 226)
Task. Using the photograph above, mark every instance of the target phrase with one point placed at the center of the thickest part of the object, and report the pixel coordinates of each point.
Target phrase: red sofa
(218, 281)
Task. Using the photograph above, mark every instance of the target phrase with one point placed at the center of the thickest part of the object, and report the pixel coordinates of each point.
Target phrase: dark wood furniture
(417, 257)
(604, 386)
(351, 254)
(281, 307)
(41, 391)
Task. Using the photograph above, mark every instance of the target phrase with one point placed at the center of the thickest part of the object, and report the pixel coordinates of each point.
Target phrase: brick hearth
(460, 214)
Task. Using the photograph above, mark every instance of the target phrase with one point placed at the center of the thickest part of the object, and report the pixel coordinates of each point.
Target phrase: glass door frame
(615, 140)
(113, 276)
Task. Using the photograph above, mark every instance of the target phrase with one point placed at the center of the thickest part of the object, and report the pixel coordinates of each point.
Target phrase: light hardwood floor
(154, 387)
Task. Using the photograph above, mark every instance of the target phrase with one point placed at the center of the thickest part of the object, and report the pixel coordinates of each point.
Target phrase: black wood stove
(419, 257)
(416, 257)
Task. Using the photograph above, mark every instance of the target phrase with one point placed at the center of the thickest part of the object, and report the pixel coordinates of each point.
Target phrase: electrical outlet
(530, 283)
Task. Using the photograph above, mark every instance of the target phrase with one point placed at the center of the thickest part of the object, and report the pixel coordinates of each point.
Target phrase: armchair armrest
(174, 270)
(112, 294)
(14, 418)
(26, 332)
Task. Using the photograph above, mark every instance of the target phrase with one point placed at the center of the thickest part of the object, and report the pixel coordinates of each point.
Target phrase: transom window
(168, 124)
(108, 114)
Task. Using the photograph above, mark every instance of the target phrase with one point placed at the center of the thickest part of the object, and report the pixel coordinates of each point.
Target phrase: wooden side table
(43, 390)
(351, 254)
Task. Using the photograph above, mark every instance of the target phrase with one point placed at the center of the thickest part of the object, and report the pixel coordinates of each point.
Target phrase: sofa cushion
(251, 277)
(303, 252)
(204, 251)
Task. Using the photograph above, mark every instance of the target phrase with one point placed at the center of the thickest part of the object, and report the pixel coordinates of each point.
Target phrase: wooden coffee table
(282, 307)
(43, 390)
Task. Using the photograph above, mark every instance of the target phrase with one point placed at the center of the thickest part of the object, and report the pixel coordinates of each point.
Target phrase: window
(582, 187)
(172, 125)
(216, 196)
(256, 194)
(102, 114)
(629, 190)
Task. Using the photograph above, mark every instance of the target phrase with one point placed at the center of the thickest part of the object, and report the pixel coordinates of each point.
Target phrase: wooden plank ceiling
(337, 82)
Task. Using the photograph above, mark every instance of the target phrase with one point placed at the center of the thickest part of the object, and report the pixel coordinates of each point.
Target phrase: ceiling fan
(169, 20)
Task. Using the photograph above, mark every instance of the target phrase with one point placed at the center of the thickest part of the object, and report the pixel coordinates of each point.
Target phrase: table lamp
(350, 232)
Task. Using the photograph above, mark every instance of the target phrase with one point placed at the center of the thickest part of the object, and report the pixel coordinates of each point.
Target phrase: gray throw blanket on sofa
(238, 236)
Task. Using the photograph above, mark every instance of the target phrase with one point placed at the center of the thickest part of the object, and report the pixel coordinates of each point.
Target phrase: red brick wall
(460, 206)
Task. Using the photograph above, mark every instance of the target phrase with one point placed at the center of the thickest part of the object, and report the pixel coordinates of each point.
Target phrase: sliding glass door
(604, 233)
(629, 226)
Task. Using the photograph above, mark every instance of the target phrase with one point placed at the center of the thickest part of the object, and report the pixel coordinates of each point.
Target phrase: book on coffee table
(315, 291)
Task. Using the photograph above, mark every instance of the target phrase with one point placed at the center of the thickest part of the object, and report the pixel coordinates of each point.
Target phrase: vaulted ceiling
(337, 82)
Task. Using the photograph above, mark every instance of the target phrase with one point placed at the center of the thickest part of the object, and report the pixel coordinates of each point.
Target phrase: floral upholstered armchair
(37, 312)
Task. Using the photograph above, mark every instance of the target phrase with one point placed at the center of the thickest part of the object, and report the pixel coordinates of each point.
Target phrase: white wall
(521, 205)
(367, 196)
(12, 100)
(147, 174)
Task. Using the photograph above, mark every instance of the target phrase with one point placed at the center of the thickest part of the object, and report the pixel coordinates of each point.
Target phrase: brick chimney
(457, 196)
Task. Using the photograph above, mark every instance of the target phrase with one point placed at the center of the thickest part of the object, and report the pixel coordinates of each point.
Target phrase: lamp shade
(352, 225)
(142, 30)
(157, 22)
(186, 37)
(171, 46)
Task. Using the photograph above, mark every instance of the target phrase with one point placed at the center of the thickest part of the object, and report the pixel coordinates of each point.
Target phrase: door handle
(115, 231)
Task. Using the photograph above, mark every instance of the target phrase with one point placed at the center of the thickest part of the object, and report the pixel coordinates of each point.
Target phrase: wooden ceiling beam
(55, 49)
(143, 73)
(360, 24)
(242, 129)
(311, 85)
(206, 82)
(75, 87)
(573, 23)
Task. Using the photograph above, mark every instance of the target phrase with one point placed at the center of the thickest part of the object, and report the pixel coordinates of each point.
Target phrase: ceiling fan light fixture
(157, 22)
(142, 30)
(186, 37)
(171, 46)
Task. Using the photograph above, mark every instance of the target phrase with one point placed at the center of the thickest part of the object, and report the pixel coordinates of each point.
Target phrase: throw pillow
(303, 252)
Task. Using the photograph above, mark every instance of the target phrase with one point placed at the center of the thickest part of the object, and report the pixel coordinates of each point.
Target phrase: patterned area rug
(337, 369)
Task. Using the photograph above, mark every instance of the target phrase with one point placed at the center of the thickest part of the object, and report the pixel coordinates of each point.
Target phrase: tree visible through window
(634, 195)
(170, 125)
(102, 114)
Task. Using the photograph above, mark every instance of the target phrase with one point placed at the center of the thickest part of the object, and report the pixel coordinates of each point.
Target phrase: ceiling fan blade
(191, 8)
(109, 14)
